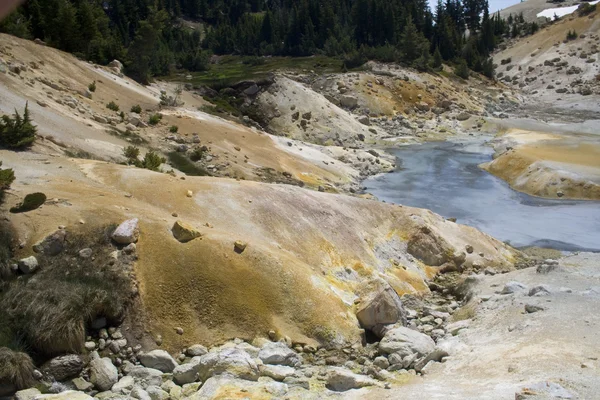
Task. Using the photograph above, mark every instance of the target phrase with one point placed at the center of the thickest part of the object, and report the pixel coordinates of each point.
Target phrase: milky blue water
(445, 178)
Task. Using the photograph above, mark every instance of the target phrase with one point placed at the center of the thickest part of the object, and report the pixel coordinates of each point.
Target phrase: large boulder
(184, 232)
(188, 372)
(232, 361)
(278, 353)
(27, 394)
(404, 342)
(103, 374)
(53, 244)
(225, 387)
(63, 367)
(340, 379)
(277, 372)
(379, 305)
(145, 377)
(116, 65)
(127, 233)
(348, 101)
(158, 359)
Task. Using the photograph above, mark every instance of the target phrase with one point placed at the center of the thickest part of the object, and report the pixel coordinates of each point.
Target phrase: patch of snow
(561, 11)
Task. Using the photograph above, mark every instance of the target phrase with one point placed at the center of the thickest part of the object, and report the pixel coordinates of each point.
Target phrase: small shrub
(7, 177)
(152, 161)
(92, 87)
(183, 164)
(461, 70)
(17, 132)
(132, 154)
(154, 119)
(112, 106)
(31, 202)
(174, 129)
(136, 109)
(572, 35)
(16, 369)
(488, 68)
(122, 116)
(586, 9)
(197, 154)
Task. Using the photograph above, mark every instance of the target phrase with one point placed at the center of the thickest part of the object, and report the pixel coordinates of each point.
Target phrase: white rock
(277, 372)
(28, 265)
(158, 359)
(128, 232)
(540, 290)
(456, 327)
(379, 305)
(341, 379)
(139, 393)
(124, 385)
(145, 377)
(103, 374)
(196, 350)
(232, 361)
(406, 341)
(188, 372)
(278, 353)
(27, 394)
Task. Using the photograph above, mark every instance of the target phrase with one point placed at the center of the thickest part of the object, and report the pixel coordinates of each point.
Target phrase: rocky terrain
(253, 265)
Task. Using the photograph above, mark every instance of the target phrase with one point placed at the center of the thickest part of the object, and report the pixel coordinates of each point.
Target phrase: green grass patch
(31, 202)
(183, 164)
(129, 136)
(233, 69)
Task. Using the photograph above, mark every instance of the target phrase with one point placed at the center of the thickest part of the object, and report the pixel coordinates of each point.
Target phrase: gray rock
(188, 372)
(124, 385)
(278, 353)
(158, 359)
(27, 394)
(405, 341)
(116, 64)
(85, 253)
(435, 355)
(53, 244)
(196, 350)
(381, 362)
(379, 305)
(157, 393)
(252, 90)
(463, 116)
(139, 393)
(28, 265)
(513, 287)
(364, 120)
(341, 379)
(532, 308)
(232, 361)
(349, 101)
(128, 232)
(277, 372)
(103, 374)
(540, 290)
(63, 367)
(145, 377)
(135, 119)
(81, 384)
(455, 327)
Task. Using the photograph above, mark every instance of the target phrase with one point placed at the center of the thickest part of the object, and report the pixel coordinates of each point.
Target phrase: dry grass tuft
(16, 369)
(51, 309)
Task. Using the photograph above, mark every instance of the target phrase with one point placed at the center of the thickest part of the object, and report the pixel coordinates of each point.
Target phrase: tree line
(153, 36)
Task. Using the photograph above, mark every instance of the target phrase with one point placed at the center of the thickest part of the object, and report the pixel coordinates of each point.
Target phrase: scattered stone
(239, 246)
(531, 308)
(103, 374)
(278, 353)
(196, 350)
(63, 367)
(28, 265)
(158, 359)
(277, 372)
(513, 287)
(405, 341)
(341, 380)
(128, 232)
(463, 116)
(85, 253)
(184, 232)
(53, 244)
(554, 390)
(540, 290)
(379, 305)
(349, 102)
(81, 384)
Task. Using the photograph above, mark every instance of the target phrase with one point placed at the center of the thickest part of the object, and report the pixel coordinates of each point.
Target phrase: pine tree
(17, 132)
(437, 59)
